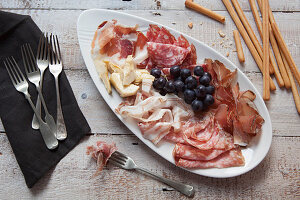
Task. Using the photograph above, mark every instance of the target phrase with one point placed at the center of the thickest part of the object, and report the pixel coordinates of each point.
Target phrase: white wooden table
(277, 177)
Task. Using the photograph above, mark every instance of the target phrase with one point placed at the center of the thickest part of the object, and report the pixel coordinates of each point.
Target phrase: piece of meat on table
(101, 152)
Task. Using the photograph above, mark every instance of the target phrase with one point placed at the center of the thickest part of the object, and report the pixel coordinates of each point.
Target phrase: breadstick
(254, 39)
(256, 43)
(278, 57)
(293, 84)
(246, 38)
(265, 31)
(258, 22)
(205, 11)
(286, 52)
(238, 45)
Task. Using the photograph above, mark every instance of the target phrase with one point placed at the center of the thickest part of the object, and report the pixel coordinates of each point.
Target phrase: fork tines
(55, 55)
(43, 47)
(13, 70)
(28, 58)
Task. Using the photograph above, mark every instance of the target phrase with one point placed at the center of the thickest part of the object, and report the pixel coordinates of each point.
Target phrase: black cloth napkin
(16, 114)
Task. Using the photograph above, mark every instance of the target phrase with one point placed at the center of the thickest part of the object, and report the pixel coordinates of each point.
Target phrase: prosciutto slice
(101, 153)
(114, 43)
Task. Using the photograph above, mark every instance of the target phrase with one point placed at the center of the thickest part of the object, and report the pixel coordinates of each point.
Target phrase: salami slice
(191, 153)
(231, 158)
(165, 37)
(153, 32)
(191, 58)
(182, 42)
(166, 55)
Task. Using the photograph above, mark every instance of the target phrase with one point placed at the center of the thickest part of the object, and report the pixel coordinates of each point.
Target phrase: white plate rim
(267, 134)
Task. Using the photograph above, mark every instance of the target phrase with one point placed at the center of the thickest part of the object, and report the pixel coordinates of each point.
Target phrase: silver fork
(21, 84)
(33, 75)
(121, 160)
(55, 67)
(42, 62)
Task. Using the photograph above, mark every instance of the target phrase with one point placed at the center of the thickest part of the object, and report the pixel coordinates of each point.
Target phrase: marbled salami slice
(231, 158)
(191, 153)
(166, 55)
(153, 32)
(165, 37)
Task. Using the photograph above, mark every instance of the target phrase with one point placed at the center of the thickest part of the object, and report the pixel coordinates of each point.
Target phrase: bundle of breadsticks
(281, 64)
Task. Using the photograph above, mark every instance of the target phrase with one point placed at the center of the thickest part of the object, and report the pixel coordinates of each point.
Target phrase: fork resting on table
(121, 160)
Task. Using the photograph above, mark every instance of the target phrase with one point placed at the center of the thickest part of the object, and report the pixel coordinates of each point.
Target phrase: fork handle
(49, 139)
(183, 188)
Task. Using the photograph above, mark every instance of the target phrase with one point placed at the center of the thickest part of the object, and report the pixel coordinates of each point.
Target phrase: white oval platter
(87, 24)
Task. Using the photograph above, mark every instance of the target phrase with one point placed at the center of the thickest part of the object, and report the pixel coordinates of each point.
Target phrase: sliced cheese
(147, 81)
(128, 75)
(124, 91)
(139, 77)
(101, 68)
(113, 68)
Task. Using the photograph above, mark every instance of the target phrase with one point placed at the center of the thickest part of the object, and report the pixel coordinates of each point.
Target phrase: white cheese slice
(124, 91)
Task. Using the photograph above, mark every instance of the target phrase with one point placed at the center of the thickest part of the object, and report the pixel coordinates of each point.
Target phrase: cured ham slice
(101, 153)
(114, 43)
(166, 54)
(231, 158)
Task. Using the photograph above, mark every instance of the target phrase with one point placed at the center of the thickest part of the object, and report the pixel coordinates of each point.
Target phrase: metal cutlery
(33, 75)
(42, 63)
(21, 85)
(121, 160)
(55, 67)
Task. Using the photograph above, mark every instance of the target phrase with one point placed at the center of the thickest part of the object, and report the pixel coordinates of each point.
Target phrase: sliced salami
(153, 32)
(166, 55)
(165, 37)
(231, 158)
(191, 153)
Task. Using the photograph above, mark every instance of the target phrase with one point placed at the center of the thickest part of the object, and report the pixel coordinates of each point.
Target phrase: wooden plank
(285, 120)
(277, 177)
(205, 29)
(289, 5)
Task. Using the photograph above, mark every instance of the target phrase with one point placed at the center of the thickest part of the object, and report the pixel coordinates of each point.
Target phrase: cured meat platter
(255, 151)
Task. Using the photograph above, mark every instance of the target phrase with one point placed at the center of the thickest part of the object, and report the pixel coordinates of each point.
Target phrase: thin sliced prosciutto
(101, 152)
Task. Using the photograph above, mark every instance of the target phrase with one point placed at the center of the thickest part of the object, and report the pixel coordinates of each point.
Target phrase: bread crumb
(190, 25)
(221, 34)
(227, 54)
(201, 23)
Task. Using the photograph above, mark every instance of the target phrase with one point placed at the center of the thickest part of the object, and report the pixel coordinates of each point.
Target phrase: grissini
(192, 5)
(265, 32)
(273, 66)
(278, 57)
(246, 38)
(286, 52)
(238, 45)
(293, 84)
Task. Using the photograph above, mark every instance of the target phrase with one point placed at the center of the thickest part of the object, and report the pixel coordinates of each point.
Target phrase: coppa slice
(166, 54)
